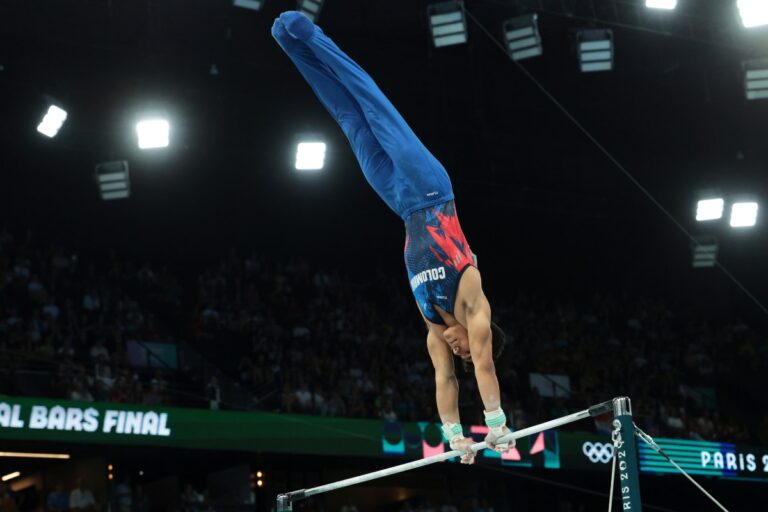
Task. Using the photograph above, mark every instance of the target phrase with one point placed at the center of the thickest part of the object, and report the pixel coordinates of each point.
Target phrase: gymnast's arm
(447, 394)
(446, 384)
(478, 312)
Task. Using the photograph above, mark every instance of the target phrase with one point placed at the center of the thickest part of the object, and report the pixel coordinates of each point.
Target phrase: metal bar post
(629, 469)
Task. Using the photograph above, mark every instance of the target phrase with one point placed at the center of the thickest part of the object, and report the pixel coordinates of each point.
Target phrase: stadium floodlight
(52, 121)
(311, 8)
(754, 13)
(595, 49)
(153, 133)
(710, 209)
(113, 180)
(253, 5)
(522, 37)
(448, 23)
(704, 251)
(661, 4)
(744, 215)
(310, 156)
(756, 79)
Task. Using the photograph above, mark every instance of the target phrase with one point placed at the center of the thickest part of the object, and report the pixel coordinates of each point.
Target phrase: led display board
(706, 458)
(33, 419)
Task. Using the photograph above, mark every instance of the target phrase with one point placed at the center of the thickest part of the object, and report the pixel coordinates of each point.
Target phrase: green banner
(33, 419)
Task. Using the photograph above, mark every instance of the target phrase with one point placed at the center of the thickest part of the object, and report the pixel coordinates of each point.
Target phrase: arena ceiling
(539, 202)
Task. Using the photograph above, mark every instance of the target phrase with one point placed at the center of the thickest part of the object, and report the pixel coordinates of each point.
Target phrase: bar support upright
(626, 455)
(284, 503)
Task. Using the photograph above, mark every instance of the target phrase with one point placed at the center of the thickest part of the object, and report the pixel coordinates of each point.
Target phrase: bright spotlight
(661, 4)
(595, 50)
(52, 122)
(709, 209)
(704, 252)
(522, 37)
(113, 180)
(754, 13)
(743, 215)
(756, 79)
(153, 133)
(447, 23)
(310, 156)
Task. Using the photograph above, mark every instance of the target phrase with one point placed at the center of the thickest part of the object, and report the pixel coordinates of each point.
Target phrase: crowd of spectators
(70, 321)
(300, 339)
(333, 346)
(314, 342)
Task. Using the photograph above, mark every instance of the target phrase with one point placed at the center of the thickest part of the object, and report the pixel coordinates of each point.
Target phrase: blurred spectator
(91, 301)
(141, 500)
(191, 500)
(213, 393)
(448, 507)
(51, 310)
(8, 499)
(304, 397)
(387, 413)
(81, 498)
(80, 392)
(58, 499)
(99, 353)
(348, 507)
(124, 495)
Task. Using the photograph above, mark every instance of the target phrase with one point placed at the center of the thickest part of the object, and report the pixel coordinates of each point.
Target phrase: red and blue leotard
(436, 256)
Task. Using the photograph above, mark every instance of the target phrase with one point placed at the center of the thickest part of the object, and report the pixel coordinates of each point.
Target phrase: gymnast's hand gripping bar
(285, 501)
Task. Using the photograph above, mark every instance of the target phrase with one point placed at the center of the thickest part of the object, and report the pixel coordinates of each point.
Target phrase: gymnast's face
(457, 338)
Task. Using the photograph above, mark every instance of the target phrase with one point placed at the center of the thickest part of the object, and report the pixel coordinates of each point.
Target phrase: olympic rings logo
(598, 452)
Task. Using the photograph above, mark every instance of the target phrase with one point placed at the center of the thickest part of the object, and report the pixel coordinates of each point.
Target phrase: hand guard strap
(452, 431)
(495, 420)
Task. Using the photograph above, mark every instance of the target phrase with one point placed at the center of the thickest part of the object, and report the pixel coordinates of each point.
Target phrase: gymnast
(441, 268)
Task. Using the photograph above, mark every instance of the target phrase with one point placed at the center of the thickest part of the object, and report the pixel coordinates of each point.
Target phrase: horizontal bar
(603, 408)
(449, 455)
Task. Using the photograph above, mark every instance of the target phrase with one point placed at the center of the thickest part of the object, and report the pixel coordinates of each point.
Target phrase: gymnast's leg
(375, 162)
(420, 175)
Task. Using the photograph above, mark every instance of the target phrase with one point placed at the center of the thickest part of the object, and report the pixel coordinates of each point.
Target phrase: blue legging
(395, 162)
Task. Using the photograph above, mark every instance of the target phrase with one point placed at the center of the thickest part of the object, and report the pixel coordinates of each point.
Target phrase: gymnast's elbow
(446, 379)
(484, 365)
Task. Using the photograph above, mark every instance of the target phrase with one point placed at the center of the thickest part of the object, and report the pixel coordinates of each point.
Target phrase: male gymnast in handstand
(443, 276)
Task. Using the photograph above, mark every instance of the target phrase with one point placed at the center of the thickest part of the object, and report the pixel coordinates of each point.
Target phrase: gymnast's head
(458, 340)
